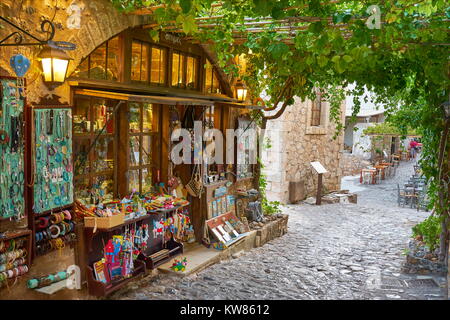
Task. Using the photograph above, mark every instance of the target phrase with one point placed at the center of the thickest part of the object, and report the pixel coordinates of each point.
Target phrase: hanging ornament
(20, 64)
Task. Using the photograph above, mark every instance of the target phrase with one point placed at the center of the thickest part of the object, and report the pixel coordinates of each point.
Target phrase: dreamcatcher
(20, 64)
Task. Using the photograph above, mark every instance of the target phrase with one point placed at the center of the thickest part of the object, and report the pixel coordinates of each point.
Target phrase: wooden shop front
(113, 142)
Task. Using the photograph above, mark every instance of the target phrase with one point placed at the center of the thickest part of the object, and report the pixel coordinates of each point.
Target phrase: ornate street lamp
(241, 90)
(54, 66)
(53, 57)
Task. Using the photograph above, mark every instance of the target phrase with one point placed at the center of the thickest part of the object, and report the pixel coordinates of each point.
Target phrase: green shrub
(429, 230)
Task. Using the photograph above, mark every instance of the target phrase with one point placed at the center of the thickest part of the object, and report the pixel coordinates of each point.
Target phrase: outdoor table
(373, 173)
(382, 168)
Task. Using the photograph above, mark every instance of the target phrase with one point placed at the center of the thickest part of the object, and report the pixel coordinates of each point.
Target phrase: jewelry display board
(12, 200)
(53, 184)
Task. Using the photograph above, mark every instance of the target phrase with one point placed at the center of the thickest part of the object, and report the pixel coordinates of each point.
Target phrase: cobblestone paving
(338, 251)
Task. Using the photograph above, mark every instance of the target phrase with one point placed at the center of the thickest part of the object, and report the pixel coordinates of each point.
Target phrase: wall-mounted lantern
(53, 57)
(54, 66)
(241, 90)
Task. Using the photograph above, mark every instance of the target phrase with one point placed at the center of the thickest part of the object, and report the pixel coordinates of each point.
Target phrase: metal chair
(401, 199)
(422, 200)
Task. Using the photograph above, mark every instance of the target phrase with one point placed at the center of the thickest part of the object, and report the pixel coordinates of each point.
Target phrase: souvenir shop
(91, 183)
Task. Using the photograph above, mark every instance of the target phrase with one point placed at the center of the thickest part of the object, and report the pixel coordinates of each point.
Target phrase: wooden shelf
(175, 249)
(16, 234)
(126, 223)
(100, 289)
(45, 213)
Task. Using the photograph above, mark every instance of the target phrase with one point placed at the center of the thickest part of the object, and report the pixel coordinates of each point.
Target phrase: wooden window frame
(180, 68)
(142, 44)
(165, 66)
(154, 135)
(213, 72)
(88, 58)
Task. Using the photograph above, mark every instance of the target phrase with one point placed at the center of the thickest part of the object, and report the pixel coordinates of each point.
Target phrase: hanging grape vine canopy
(398, 49)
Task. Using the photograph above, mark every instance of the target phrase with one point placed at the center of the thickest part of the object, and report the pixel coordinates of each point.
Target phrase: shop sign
(172, 39)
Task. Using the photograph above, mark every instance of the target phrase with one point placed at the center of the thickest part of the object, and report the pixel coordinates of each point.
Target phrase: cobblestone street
(337, 251)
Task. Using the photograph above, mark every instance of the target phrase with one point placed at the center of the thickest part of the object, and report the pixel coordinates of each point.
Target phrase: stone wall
(294, 145)
(352, 165)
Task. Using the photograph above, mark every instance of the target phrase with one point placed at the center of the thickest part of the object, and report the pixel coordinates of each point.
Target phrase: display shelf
(126, 223)
(167, 210)
(174, 249)
(100, 289)
(48, 212)
(29, 242)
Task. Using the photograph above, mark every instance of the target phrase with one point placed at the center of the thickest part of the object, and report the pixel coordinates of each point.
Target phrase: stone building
(304, 133)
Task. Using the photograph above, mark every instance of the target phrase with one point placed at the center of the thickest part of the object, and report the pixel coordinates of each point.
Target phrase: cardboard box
(104, 222)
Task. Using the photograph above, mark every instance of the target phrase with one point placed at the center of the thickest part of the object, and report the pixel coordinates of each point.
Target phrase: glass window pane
(175, 69)
(135, 117)
(191, 75)
(82, 71)
(146, 180)
(147, 125)
(136, 61)
(82, 190)
(133, 181)
(134, 151)
(81, 116)
(103, 188)
(113, 59)
(81, 161)
(146, 150)
(145, 62)
(208, 80)
(158, 74)
(104, 154)
(102, 116)
(182, 79)
(98, 63)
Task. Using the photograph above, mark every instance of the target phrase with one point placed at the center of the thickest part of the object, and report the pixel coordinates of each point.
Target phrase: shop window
(212, 83)
(141, 139)
(102, 63)
(94, 149)
(140, 52)
(158, 66)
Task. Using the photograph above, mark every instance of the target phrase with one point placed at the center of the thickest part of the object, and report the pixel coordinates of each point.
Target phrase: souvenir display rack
(53, 169)
(51, 185)
(165, 249)
(151, 257)
(53, 232)
(95, 243)
(12, 167)
(15, 258)
(227, 228)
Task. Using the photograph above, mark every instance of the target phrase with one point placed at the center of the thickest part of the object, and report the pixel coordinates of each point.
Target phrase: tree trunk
(258, 166)
(442, 195)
